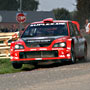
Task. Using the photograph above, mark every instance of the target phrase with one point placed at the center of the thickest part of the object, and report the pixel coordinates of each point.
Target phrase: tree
(74, 15)
(62, 14)
(15, 4)
(30, 5)
(8, 5)
(83, 10)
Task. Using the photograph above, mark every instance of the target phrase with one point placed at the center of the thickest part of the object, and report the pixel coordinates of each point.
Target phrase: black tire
(16, 65)
(84, 58)
(73, 59)
(35, 64)
(85, 54)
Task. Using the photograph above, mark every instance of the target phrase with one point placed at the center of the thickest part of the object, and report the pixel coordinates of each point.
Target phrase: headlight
(62, 44)
(19, 46)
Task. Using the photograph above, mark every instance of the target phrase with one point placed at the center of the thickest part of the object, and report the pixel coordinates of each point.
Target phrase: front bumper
(40, 54)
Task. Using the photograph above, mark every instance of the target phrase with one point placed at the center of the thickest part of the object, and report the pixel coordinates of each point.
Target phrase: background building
(8, 22)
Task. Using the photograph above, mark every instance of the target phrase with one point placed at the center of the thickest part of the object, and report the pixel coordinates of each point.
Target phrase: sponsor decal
(68, 55)
(15, 54)
(19, 50)
(62, 52)
(68, 48)
(42, 24)
(40, 41)
(38, 58)
(57, 49)
(62, 56)
(43, 49)
(16, 57)
(33, 49)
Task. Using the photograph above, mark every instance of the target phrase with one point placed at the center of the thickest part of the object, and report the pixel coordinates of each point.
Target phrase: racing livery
(49, 40)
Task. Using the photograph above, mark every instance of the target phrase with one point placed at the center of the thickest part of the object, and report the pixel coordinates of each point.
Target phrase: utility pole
(20, 27)
(20, 17)
(20, 6)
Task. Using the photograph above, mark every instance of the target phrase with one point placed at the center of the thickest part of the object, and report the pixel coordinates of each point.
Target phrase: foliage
(30, 5)
(62, 14)
(83, 10)
(74, 15)
(15, 4)
(8, 5)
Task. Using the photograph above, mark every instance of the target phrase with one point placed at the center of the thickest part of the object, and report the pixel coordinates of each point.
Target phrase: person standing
(87, 27)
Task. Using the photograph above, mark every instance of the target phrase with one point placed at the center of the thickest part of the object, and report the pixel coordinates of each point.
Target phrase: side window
(76, 30)
(72, 31)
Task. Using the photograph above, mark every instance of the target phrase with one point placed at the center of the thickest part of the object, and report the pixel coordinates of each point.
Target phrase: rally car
(49, 40)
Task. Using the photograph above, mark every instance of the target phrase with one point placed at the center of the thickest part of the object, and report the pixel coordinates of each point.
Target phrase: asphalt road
(55, 77)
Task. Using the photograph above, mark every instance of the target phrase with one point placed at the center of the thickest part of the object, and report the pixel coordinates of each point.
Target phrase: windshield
(46, 30)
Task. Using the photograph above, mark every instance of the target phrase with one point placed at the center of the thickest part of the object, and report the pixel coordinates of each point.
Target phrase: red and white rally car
(56, 40)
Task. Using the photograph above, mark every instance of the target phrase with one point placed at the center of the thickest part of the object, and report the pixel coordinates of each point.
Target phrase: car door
(73, 36)
(81, 41)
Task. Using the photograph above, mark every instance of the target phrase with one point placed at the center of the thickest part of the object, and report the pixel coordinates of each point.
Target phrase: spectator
(87, 26)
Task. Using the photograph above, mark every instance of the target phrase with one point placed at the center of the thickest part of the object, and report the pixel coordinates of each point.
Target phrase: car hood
(40, 41)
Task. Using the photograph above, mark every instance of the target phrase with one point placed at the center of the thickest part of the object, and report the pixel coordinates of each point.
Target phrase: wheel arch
(73, 43)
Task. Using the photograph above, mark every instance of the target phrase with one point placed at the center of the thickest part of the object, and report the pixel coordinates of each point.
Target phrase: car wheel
(85, 54)
(73, 59)
(35, 64)
(16, 65)
(84, 58)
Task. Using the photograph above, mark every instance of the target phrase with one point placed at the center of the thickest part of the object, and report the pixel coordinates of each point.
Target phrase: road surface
(56, 77)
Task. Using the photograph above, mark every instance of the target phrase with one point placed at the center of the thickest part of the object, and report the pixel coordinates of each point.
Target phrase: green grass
(6, 67)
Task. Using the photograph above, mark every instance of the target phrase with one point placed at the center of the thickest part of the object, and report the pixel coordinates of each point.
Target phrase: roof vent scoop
(48, 20)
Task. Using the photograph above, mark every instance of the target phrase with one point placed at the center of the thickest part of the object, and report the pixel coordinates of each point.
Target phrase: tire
(35, 65)
(84, 58)
(16, 65)
(73, 59)
(85, 54)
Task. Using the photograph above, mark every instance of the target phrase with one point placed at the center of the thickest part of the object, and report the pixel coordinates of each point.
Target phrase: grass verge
(6, 67)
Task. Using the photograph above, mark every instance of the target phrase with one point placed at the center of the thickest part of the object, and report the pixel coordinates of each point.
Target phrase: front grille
(38, 54)
(30, 45)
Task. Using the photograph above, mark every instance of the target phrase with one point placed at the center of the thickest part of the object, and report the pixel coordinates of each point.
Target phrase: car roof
(50, 20)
